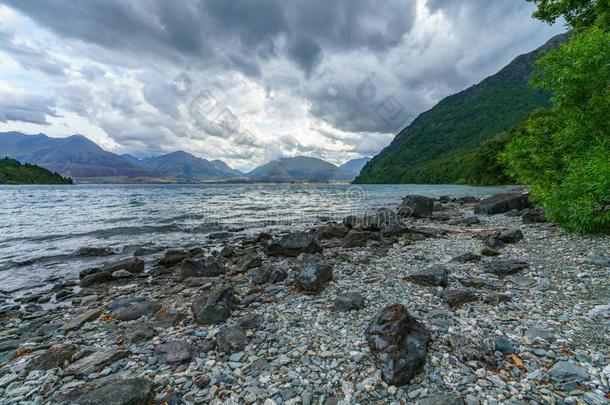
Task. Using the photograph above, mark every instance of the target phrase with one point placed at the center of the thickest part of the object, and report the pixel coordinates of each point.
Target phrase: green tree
(564, 152)
(578, 14)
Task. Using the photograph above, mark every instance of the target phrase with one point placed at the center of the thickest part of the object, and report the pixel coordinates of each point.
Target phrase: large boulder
(501, 203)
(504, 267)
(358, 239)
(175, 256)
(112, 390)
(214, 307)
(399, 344)
(249, 261)
(416, 206)
(314, 274)
(293, 244)
(433, 276)
(208, 267)
(371, 220)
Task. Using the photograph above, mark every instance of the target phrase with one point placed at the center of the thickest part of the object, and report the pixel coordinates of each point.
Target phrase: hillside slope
(184, 166)
(438, 145)
(13, 172)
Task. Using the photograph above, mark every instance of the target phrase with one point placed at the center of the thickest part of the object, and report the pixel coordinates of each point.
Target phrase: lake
(42, 226)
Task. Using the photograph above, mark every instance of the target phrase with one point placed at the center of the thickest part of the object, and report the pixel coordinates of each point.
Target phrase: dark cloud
(32, 109)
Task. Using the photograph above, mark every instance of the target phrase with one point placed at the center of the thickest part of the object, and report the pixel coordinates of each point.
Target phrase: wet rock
(248, 262)
(314, 274)
(349, 302)
(137, 310)
(80, 320)
(416, 206)
(332, 231)
(566, 371)
(399, 344)
(446, 399)
(110, 390)
(174, 256)
(293, 244)
(214, 307)
(174, 352)
(103, 274)
(433, 276)
(277, 274)
(55, 356)
(501, 203)
(456, 297)
(121, 274)
(372, 221)
(220, 235)
(93, 251)
(504, 267)
(358, 239)
(208, 267)
(96, 361)
(259, 275)
(95, 278)
(466, 258)
(231, 339)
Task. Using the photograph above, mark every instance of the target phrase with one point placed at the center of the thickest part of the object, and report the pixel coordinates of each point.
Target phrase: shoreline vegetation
(13, 172)
(502, 307)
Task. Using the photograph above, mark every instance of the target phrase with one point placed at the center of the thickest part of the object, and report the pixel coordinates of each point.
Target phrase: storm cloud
(246, 81)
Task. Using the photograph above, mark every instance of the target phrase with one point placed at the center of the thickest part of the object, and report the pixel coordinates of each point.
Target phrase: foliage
(578, 14)
(13, 172)
(564, 152)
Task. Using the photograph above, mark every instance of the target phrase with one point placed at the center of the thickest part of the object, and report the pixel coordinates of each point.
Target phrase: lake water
(42, 226)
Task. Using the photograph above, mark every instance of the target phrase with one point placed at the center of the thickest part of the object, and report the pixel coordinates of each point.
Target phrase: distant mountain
(13, 172)
(293, 169)
(439, 145)
(74, 156)
(184, 166)
(131, 159)
(350, 169)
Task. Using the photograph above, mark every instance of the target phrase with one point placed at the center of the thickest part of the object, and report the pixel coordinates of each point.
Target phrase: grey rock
(358, 239)
(277, 274)
(466, 258)
(175, 352)
(208, 267)
(501, 203)
(231, 339)
(249, 261)
(504, 267)
(80, 320)
(174, 256)
(314, 274)
(433, 276)
(348, 302)
(96, 361)
(137, 310)
(54, 357)
(214, 307)
(566, 371)
(416, 206)
(293, 244)
(140, 332)
(503, 345)
(93, 251)
(121, 274)
(110, 390)
(259, 275)
(399, 344)
(456, 297)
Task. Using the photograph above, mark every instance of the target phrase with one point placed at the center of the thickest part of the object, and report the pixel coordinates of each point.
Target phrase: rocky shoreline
(428, 304)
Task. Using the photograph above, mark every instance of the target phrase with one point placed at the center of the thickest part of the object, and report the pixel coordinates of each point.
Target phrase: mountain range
(442, 144)
(82, 159)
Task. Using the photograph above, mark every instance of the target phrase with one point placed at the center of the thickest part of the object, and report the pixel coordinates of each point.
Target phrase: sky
(248, 81)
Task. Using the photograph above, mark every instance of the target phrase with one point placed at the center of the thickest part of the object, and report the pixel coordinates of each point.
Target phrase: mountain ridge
(436, 146)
